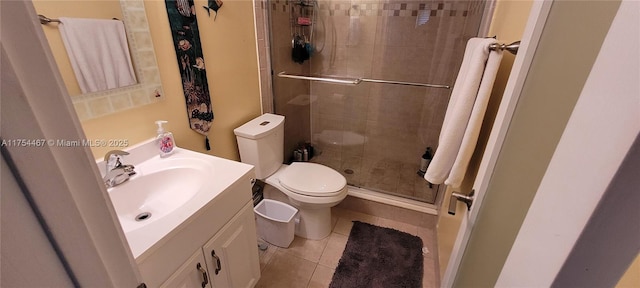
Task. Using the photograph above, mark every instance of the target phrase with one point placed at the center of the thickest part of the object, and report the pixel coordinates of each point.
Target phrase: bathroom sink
(149, 197)
(160, 187)
(166, 192)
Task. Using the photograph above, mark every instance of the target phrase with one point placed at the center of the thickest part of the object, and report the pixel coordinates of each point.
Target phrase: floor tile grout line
(325, 248)
(327, 245)
(297, 256)
(312, 273)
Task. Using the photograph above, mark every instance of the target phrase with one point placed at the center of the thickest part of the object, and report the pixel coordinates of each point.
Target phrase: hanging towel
(464, 114)
(98, 52)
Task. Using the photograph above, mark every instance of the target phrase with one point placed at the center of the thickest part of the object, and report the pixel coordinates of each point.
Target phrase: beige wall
(550, 92)
(631, 279)
(508, 23)
(229, 47)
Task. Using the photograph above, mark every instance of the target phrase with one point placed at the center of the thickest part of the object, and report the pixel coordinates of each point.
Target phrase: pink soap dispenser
(164, 140)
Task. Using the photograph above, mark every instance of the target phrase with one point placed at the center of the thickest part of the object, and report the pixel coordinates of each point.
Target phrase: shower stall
(349, 78)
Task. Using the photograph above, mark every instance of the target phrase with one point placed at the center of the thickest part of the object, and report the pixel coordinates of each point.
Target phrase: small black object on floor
(379, 257)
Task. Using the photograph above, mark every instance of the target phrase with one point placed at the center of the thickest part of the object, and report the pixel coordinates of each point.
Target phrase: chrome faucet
(116, 173)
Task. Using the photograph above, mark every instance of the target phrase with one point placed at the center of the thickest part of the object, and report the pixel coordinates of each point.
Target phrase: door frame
(63, 182)
(585, 203)
(529, 42)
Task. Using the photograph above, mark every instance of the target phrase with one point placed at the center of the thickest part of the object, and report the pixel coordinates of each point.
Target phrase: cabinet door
(192, 274)
(232, 254)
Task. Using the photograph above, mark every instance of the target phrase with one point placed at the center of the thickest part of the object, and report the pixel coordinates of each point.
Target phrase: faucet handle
(116, 162)
(107, 156)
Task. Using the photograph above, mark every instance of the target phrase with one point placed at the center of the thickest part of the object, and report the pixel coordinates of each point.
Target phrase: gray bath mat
(379, 257)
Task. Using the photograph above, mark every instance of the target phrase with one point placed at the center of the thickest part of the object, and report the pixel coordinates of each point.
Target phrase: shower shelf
(303, 9)
(304, 3)
(357, 81)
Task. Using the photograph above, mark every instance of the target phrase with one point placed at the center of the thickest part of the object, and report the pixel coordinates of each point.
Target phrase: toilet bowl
(312, 188)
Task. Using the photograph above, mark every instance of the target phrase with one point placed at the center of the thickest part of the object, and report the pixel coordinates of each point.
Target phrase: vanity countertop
(203, 178)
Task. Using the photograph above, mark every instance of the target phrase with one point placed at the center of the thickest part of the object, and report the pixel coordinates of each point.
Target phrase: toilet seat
(312, 179)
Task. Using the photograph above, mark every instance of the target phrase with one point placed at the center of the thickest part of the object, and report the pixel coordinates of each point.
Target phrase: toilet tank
(261, 143)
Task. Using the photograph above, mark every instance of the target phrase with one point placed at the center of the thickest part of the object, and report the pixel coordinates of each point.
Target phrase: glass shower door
(375, 133)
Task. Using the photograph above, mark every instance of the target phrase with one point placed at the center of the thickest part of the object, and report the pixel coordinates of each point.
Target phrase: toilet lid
(312, 179)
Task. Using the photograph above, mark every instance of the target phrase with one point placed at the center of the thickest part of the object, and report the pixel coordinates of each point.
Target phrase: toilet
(312, 188)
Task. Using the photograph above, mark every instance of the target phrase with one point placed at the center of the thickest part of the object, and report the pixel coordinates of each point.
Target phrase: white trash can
(275, 222)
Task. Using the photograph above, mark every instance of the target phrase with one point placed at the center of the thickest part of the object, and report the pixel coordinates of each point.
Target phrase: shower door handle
(455, 197)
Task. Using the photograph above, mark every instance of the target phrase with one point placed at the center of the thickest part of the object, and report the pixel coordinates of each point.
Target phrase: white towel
(465, 112)
(98, 52)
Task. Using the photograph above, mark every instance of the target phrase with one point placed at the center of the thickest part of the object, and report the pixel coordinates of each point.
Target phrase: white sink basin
(147, 198)
(165, 192)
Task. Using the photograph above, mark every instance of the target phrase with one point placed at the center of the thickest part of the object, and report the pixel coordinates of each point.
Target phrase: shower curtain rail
(357, 81)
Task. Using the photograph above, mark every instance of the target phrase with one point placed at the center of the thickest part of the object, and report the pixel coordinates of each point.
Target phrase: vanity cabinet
(223, 231)
(227, 260)
(231, 254)
(191, 274)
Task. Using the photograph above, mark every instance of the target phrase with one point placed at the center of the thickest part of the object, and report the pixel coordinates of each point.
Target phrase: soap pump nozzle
(160, 130)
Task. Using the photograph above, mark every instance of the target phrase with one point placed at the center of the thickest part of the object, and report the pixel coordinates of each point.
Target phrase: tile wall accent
(149, 87)
(391, 8)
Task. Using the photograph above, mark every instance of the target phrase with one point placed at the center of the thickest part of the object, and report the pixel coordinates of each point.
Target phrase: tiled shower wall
(374, 134)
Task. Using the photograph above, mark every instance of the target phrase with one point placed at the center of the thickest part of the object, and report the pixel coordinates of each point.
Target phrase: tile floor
(311, 263)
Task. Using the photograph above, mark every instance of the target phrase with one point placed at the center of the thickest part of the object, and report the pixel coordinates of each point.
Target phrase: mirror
(92, 105)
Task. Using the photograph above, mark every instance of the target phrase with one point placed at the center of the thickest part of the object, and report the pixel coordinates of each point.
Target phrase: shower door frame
(268, 97)
(362, 187)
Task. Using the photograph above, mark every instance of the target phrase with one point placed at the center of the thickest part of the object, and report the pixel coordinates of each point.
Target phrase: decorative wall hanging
(213, 5)
(186, 39)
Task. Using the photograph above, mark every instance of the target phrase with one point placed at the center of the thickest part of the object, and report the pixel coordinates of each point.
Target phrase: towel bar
(46, 20)
(512, 48)
(357, 81)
